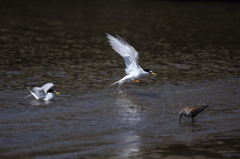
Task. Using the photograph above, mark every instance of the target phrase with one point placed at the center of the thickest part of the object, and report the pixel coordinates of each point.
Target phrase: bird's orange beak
(57, 93)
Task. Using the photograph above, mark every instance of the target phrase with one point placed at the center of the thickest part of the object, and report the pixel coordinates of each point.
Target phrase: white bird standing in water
(45, 92)
(131, 59)
(192, 111)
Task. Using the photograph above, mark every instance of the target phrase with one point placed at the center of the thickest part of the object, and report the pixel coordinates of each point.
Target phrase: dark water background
(193, 47)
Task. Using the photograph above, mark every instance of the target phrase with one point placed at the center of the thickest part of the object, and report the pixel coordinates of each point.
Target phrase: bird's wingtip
(108, 35)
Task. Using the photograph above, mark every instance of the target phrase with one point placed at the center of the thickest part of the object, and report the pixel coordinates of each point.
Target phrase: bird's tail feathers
(114, 83)
(29, 94)
(120, 82)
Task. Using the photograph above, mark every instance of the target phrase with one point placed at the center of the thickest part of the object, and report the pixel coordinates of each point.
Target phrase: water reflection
(40, 102)
(130, 114)
(128, 110)
(129, 144)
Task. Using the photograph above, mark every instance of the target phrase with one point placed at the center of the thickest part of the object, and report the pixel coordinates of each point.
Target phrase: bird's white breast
(187, 113)
(49, 96)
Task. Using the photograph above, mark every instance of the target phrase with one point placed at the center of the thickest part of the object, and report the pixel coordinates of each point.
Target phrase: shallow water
(193, 47)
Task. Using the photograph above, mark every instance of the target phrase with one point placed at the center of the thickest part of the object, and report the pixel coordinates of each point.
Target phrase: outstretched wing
(129, 54)
(133, 51)
(37, 92)
(46, 87)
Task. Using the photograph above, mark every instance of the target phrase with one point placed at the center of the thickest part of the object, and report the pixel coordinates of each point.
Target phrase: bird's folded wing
(197, 109)
(46, 87)
(128, 53)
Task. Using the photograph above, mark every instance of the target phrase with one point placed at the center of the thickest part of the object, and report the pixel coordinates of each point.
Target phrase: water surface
(193, 47)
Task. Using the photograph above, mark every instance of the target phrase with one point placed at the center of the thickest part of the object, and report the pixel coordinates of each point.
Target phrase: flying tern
(133, 70)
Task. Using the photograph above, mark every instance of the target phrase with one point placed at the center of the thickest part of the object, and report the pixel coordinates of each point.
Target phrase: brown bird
(192, 111)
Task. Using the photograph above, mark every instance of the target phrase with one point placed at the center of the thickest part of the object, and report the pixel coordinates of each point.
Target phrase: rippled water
(193, 47)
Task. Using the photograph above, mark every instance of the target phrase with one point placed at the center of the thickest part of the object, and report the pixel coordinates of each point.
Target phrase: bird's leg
(192, 119)
(136, 81)
(180, 117)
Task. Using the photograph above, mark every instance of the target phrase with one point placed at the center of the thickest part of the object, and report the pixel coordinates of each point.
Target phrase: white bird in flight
(130, 55)
(45, 92)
